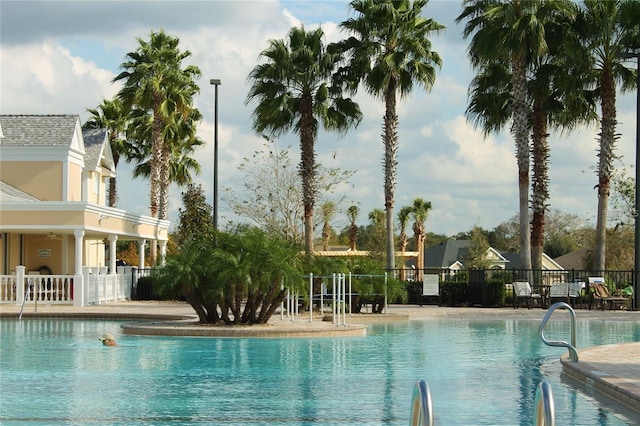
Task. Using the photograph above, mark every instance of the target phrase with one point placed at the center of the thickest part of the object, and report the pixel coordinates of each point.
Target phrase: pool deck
(613, 370)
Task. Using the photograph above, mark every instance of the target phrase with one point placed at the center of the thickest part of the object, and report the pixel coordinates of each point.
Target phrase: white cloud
(50, 66)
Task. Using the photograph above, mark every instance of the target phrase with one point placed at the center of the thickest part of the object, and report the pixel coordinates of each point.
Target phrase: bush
(453, 293)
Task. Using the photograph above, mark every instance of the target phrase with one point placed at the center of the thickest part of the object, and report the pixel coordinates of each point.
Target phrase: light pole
(629, 54)
(215, 82)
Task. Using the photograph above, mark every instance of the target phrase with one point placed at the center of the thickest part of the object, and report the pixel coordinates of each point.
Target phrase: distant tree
(404, 214)
(420, 211)
(195, 217)
(352, 213)
(373, 235)
(327, 210)
(476, 256)
(269, 193)
(623, 197)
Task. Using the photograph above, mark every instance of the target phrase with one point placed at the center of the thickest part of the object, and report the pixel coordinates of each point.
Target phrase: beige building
(54, 217)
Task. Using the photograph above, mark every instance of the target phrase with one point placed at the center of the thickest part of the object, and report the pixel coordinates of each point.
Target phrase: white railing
(94, 286)
(101, 287)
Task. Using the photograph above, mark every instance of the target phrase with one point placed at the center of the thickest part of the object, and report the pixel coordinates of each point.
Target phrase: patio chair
(522, 290)
(575, 293)
(559, 292)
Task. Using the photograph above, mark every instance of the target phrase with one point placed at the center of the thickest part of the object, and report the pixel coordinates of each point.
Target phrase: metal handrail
(573, 353)
(30, 286)
(421, 406)
(545, 412)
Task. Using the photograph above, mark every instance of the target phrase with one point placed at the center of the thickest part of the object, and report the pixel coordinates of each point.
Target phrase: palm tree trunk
(605, 166)
(390, 132)
(540, 191)
(307, 170)
(521, 136)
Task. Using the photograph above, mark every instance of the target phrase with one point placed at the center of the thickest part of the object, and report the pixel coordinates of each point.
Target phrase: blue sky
(59, 57)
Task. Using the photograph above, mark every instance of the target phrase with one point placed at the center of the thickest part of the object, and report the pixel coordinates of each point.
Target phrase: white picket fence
(97, 287)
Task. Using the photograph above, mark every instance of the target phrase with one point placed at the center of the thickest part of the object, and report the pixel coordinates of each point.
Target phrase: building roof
(573, 260)
(97, 149)
(446, 253)
(10, 193)
(38, 130)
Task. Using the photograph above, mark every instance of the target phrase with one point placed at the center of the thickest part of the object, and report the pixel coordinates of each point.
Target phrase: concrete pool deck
(613, 370)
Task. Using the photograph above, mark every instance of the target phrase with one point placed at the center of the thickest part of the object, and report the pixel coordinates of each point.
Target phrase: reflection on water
(479, 372)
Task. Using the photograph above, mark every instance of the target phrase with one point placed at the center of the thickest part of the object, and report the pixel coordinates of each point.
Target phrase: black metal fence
(491, 287)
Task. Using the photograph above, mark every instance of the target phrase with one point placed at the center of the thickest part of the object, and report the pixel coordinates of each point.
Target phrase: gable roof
(446, 253)
(572, 260)
(38, 130)
(97, 150)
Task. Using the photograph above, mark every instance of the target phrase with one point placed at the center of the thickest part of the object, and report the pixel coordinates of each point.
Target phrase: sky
(60, 57)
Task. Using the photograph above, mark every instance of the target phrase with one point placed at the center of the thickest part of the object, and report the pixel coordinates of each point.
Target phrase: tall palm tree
(352, 213)
(512, 34)
(554, 103)
(297, 89)
(156, 85)
(420, 211)
(110, 115)
(390, 52)
(605, 28)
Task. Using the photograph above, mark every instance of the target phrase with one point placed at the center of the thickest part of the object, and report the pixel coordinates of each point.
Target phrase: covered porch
(65, 252)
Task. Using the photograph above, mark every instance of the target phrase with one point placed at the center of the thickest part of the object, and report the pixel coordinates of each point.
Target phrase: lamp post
(215, 82)
(630, 54)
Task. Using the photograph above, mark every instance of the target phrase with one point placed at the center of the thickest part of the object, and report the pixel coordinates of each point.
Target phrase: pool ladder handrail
(30, 286)
(573, 353)
(421, 405)
(545, 412)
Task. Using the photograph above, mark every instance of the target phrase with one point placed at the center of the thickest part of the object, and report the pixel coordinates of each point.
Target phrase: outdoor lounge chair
(559, 292)
(522, 290)
(601, 293)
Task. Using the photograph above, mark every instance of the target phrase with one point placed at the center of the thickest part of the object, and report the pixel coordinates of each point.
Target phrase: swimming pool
(480, 372)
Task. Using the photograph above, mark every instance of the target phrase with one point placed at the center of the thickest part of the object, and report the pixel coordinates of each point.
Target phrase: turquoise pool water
(479, 372)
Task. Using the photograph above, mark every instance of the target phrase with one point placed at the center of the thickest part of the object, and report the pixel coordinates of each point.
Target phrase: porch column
(20, 270)
(112, 253)
(141, 247)
(163, 252)
(78, 282)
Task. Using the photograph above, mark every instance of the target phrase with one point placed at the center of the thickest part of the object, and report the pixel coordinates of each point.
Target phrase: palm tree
(109, 115)
(156, 86)
(298, 89)
(554, 103)
(328, 211)
(605, 28)
(420, 211)
(403, 218)
(352, 213)
(390, 52)
(511, 34)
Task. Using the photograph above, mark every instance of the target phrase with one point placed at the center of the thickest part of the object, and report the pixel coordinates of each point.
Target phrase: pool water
(479, 372)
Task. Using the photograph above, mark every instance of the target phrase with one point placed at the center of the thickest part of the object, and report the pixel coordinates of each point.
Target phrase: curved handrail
(421, 407)
(545, 412)
(573, 353)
